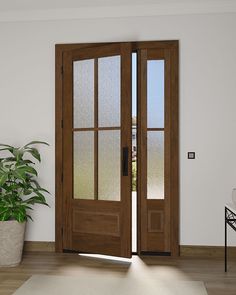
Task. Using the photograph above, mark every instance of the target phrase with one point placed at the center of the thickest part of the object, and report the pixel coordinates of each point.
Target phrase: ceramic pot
(11, 242)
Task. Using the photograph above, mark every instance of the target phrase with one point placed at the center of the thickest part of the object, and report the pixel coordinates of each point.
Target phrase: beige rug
(106, 285)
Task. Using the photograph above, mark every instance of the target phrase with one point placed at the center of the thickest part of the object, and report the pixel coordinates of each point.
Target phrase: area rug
(65, 285)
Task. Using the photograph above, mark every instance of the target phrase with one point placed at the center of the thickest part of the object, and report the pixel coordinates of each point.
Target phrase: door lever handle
(125, 161)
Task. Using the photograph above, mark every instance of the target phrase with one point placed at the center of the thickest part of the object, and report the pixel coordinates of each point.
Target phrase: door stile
(126, 142)
(96, 129)
(167, 151)
(174, 138)
(142, 148)
(67, 148)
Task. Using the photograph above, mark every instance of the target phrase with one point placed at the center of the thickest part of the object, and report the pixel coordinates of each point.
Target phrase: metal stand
(230, 219)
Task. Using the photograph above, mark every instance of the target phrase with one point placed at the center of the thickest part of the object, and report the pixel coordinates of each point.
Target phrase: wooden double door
(95, 153)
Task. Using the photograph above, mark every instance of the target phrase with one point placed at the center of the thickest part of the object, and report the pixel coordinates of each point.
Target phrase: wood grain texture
(142, 150)
(96, 223)
(185, 250)
(166, 269)
(58, 147)
(148, 49)
(166, 240)
(174, 139)
(206, 251)
(75, 238)
(32, 246)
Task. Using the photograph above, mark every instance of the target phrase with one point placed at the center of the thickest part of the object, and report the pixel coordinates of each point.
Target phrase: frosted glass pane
(83, 93)
(109, 165)
(155, 93)
(109, 91)
(155, 165)
(84, 165)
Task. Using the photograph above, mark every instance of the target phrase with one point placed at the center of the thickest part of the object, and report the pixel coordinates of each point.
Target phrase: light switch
(191, 155)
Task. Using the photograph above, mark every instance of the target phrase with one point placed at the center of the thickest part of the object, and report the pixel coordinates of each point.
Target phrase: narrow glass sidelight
(155, 93)
(155, 128)
(155, 165)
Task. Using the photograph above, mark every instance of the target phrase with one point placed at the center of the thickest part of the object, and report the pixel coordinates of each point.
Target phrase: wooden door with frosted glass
(96, 150)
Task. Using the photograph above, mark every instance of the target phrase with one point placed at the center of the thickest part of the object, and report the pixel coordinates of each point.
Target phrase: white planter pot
(11, 242)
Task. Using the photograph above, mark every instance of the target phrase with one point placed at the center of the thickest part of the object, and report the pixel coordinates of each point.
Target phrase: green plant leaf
(44, 190)
(36, 142)
(3, 179)
(7, 149)
(27, 169)
(5, 216)
(34, 152)
(6, 145)
(28, 216)
(18, 180)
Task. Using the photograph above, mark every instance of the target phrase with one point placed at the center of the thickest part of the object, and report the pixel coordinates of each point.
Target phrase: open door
(97, 150)
(94, 147)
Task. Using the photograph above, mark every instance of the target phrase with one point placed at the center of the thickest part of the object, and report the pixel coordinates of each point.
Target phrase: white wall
(207, 105)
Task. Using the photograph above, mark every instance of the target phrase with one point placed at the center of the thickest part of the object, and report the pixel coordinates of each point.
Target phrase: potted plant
(19, 191)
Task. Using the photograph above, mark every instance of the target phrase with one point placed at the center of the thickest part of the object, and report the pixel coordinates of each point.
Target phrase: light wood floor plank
(210, 271)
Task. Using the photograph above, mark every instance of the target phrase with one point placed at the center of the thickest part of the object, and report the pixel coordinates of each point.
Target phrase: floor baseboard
(33, 246)
(206, 251)
(185, 250)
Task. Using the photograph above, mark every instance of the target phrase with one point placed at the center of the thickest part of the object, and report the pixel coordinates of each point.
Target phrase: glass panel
(155, 165)
(109, 165)
(155, 93)
(84, 165)
(109, 91)
(83, 93)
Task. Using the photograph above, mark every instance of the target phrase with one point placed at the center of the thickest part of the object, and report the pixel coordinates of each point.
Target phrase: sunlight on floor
(99, 265)
(106, 257)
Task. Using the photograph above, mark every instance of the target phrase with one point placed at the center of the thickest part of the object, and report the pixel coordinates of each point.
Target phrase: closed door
(97, 143)
(158, 151)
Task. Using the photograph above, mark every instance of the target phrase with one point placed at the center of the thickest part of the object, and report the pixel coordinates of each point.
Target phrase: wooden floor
(210, 271)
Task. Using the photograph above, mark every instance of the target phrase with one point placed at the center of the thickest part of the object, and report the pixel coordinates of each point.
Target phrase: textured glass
(155, 93)
(109, 165)
(155, 165)
(83, 93)
(84, 165)
(109, 91)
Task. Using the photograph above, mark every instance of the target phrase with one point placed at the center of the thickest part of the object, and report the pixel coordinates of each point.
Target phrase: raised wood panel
(155, 221)
(96, 223)
(97, 244)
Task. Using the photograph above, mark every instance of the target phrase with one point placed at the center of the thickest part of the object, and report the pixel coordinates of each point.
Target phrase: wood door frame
(60, 49)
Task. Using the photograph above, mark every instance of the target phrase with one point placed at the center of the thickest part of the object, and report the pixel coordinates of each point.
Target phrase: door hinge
(62, 177)
(62, 123)
(62, 70)
(62, 232)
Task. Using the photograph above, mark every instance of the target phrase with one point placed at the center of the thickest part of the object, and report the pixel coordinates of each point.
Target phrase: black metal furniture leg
(225, 240)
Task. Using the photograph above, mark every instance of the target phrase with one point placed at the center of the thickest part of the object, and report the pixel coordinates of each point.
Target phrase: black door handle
(125, 161)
